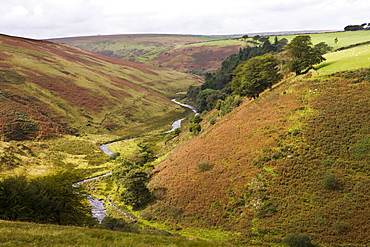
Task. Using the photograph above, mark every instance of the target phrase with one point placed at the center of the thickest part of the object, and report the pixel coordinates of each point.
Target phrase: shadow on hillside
(322, 65)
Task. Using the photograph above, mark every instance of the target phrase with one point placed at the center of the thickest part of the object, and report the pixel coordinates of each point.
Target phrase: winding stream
(97, 205)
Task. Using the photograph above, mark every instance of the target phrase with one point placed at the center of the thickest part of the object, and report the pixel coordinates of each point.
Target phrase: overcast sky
(43, 19)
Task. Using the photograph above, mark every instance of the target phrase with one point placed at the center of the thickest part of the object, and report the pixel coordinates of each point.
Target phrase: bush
(331, 182)
(196, 119)
(268, 209)
(114, 155)
(115, 224)
(195, 128)
(297, 240)
(204, 166)
(340, 226)
(18, 126)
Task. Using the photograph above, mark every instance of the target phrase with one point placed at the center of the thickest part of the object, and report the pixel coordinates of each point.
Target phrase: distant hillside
(185, 53)
(48, 89)
(293, 161)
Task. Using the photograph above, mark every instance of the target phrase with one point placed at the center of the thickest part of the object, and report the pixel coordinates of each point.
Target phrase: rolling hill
(49, 89)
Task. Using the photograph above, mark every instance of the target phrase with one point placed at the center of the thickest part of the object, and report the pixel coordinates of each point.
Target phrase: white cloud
(60, 18)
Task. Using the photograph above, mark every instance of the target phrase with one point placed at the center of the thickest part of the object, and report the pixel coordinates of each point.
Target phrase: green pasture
(349, 59)
(344, 38)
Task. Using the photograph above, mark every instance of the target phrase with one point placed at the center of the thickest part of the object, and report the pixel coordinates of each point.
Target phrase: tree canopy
(255, 75)
(49, 199)
(302, 54)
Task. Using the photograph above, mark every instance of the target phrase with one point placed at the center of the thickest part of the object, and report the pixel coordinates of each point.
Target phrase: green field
(349, 59)
(344, 38)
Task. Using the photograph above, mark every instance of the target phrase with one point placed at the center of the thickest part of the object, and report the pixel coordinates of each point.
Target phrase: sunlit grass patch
(349, 59)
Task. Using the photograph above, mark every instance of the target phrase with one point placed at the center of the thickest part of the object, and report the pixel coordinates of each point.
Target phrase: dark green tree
(49, 199)
(303, 56)
(322, 48)
(145, 154)
(136, 194)
(255, 75)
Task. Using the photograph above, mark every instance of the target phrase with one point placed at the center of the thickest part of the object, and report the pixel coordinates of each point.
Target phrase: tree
(322, 48)
(256, 37)
(145, 154)
(136, 194)
(255, 75)
(49, 199)
(303, 55)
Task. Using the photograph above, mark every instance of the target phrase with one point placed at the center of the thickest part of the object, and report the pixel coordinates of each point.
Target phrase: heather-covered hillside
(294, 160)
(185, 53)
(48, 89)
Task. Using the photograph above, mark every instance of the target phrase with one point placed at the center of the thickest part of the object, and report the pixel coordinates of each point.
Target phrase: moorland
(283, 164)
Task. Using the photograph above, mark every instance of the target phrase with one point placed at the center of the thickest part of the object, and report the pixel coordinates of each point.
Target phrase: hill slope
(293, 161)
(185, 53)
(48, 88)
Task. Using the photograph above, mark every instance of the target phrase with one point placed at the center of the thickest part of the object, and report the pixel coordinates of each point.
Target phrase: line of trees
(255, 69)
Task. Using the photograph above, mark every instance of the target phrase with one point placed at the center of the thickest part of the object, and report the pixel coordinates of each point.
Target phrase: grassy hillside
(293, 161)
(49, 89)
(31, 234)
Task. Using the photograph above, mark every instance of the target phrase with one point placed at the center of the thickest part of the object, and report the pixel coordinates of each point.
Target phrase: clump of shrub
(227, 105)
(268, 209)
(176, 211)
(194, 126)
(340, 226)
(204, 166)
(18, 126)
(297, 240)
(114, 155)
(116, 224)
(331, 181)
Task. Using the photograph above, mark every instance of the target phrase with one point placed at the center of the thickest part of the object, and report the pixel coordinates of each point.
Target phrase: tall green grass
(31, 234)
